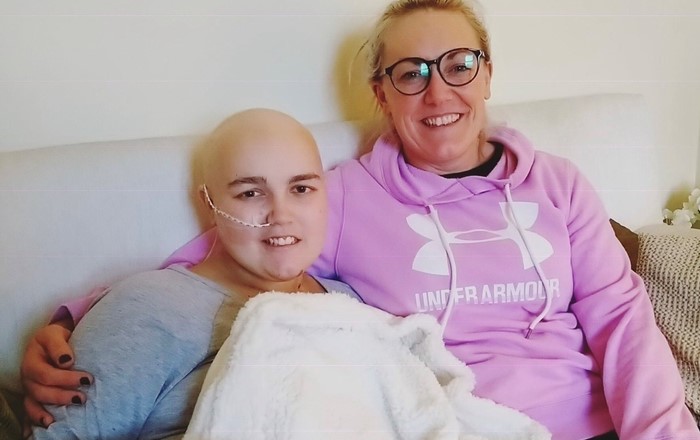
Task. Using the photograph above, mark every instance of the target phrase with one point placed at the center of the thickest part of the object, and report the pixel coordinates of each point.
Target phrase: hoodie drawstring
(538, 268)
(453, 267)
(444, 318)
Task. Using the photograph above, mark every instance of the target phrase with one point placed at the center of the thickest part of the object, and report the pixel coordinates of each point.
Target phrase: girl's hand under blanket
(47, 376)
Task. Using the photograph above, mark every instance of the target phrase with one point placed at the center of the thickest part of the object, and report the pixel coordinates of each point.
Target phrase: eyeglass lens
(457, 68)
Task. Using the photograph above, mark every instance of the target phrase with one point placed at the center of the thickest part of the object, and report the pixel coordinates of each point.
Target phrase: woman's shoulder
(150, 279)
(347, 172)
(345, 166)
(169, 287)
(552, 160)
(555, 171)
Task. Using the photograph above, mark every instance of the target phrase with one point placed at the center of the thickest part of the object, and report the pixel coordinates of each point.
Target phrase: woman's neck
(474, 155)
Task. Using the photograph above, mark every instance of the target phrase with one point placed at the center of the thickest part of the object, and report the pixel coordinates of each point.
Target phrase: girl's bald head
(255, 129)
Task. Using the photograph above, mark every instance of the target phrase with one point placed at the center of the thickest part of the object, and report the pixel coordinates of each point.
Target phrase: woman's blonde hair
(399, 8)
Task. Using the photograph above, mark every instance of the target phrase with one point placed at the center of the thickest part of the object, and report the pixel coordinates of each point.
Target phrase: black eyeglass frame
(480, 54)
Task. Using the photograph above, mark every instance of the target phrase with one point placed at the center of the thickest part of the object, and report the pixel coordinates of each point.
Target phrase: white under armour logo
(431, 257)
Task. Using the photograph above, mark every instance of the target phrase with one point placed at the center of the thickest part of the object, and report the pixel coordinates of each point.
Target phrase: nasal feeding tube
(228, 216)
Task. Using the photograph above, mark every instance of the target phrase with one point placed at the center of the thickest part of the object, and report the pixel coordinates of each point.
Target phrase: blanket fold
(315, 366)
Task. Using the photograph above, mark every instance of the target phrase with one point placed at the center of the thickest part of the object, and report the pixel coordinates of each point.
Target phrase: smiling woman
(433, 131)
(139, 320)
(287, 194)
(501, 241)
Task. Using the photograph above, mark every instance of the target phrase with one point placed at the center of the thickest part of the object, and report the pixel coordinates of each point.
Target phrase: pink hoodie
(534, 229)
(405, 239)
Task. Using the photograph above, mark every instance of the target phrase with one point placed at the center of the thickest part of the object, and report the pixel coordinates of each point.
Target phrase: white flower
(668, 216)
(694, 200)
(687, 215)
(682, 217)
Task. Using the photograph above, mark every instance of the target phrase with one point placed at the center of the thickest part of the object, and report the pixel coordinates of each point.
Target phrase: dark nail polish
(64, 359)
(76, 400)
(84, 381)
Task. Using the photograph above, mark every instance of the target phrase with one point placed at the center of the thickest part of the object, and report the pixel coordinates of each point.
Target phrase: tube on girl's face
(229, 217)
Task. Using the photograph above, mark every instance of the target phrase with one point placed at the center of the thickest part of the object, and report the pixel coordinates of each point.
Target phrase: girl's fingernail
(45, 422)
(84, 380)
(76, 400)
(64, 359)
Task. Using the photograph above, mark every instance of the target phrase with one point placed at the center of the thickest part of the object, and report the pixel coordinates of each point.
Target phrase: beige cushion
(670, 266)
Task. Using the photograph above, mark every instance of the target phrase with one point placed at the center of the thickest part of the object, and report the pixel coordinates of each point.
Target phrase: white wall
(80, 70)
(562, 47)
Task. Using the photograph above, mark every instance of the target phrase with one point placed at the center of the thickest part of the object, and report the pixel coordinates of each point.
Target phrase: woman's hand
(47, 376)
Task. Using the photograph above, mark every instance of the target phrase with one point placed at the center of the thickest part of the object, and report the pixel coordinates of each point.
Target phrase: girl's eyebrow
(252, 180)
(259, 180)
(301, 177)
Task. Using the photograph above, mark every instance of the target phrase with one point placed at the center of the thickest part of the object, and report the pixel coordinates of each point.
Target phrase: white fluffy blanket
(314, 366)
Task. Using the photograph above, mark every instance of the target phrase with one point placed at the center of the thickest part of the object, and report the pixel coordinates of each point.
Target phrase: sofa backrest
(78, 216)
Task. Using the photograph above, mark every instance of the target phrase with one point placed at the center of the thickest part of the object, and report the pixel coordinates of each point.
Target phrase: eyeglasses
(457, 67)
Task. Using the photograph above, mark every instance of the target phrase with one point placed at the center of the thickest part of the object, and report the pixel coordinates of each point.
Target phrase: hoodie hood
(414, 186)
